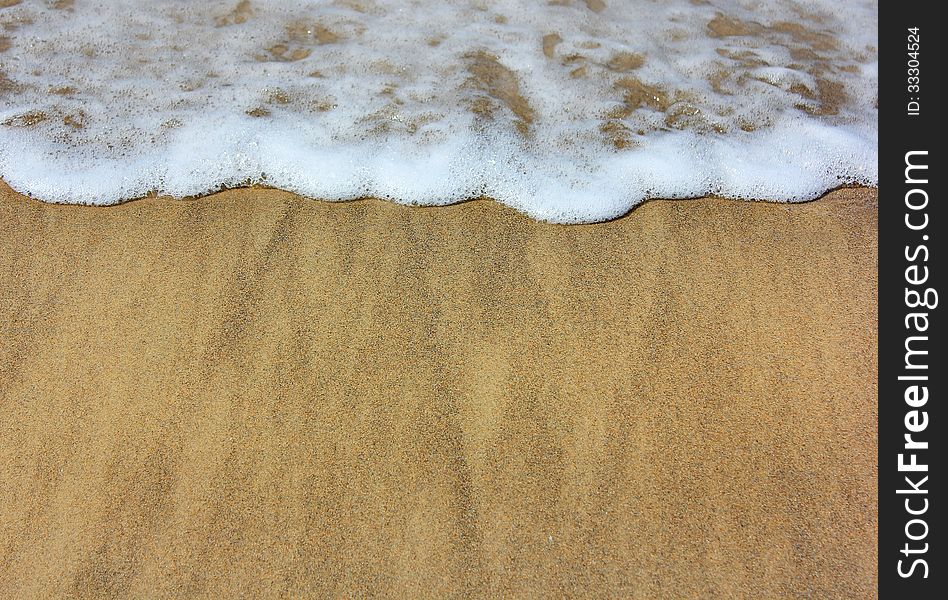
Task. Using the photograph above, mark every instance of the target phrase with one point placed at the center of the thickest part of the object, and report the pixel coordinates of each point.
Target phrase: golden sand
(252, 394)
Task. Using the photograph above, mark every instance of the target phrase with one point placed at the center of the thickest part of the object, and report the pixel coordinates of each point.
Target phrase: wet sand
(252, 394)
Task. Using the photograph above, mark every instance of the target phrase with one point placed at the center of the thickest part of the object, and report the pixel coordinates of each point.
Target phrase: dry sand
(254, 394)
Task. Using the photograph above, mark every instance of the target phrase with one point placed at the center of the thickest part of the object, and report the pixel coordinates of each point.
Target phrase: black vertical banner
(913, 372)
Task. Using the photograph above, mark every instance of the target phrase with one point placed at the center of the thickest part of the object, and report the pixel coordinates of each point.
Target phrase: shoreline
(8, 193)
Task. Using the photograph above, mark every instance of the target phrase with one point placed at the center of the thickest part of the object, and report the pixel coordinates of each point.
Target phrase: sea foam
(569, 111)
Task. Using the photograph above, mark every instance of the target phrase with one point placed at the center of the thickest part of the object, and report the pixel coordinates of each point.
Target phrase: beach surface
(256, 395)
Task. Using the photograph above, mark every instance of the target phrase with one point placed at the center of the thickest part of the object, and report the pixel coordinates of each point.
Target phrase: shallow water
(568, 111)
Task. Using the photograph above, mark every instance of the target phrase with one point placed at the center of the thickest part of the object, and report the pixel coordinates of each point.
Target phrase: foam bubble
(568, 111)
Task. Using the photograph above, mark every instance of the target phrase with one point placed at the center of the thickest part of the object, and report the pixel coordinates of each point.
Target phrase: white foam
(432, 103)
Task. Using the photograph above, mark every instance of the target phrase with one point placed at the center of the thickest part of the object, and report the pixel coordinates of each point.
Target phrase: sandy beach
(253, 394)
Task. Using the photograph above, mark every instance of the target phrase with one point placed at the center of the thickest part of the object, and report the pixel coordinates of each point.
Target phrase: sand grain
(257, 394)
